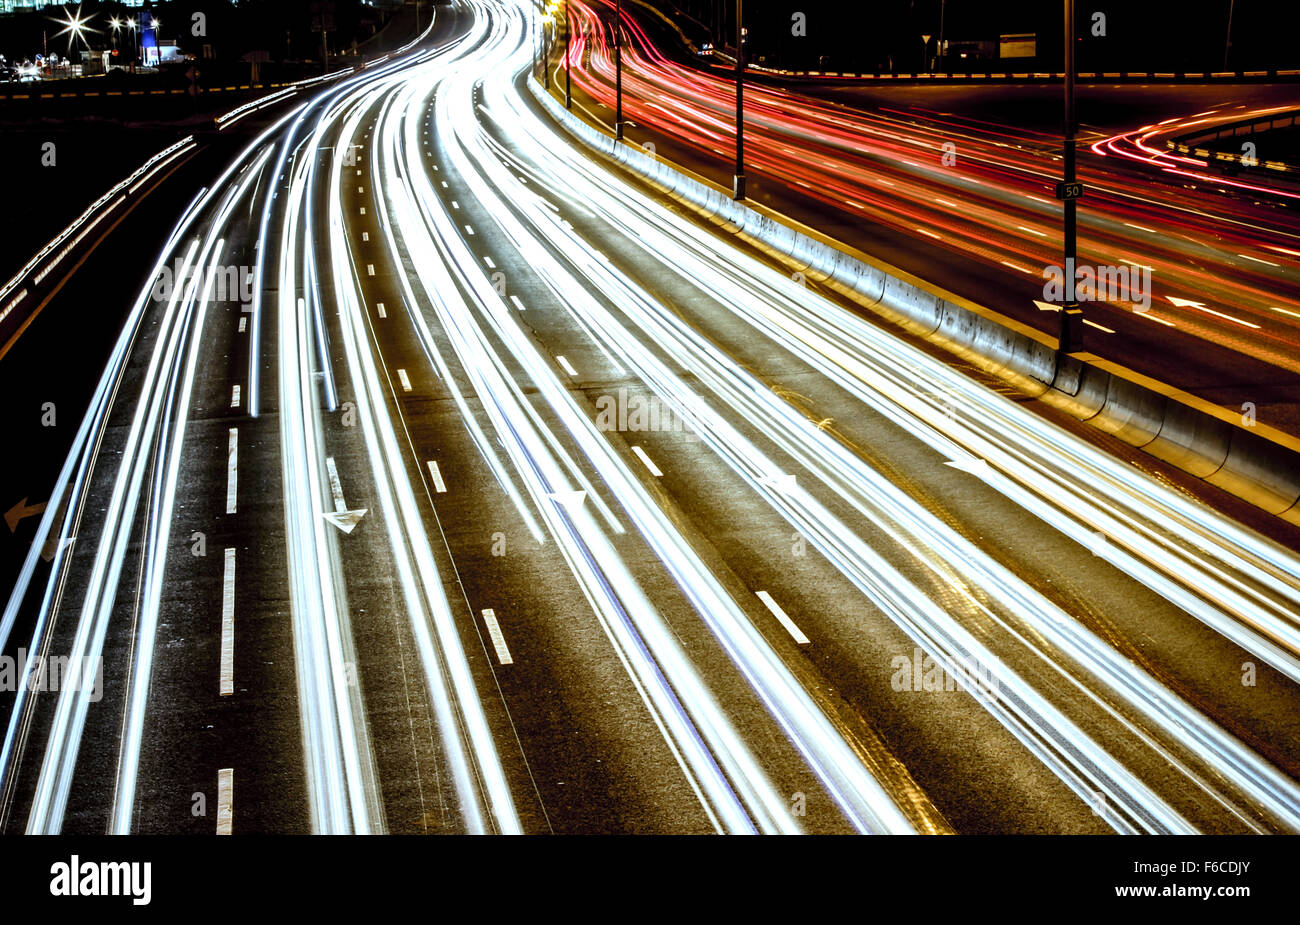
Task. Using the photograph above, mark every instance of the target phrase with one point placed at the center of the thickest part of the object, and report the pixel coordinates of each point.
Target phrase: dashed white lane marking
(438, 484)
(361, 189)
(363, 210)
(383, 313)
(444, 182)
(406, 380)
(491, 265)
(232, 470)
(370, 269)
(498, 640)
(519, 305)
(783, 618)
(365, 236)
(568, 367)
(225, 800)
(469, 230)
(649, 463)
(243, 324)
(228, 625)
(455, 204)
(234, 397)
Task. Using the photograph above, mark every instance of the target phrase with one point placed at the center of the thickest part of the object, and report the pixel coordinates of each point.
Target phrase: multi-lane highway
(513, 500)
(961, 193)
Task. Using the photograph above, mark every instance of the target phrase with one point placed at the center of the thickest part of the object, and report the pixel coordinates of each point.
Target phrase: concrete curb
(1259, 465)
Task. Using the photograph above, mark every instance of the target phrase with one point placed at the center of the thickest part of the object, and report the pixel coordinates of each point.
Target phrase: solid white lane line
(228, 625)
(568, 367)
(649, 463)
(383, 313)
(234, 397)
(783, 618)
(519, 305)
(232, 470)
(498, 640)
(225, 800)
(406, 380)
(438, 484)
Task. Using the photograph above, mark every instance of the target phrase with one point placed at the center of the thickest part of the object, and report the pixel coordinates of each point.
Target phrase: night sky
(1139, 36)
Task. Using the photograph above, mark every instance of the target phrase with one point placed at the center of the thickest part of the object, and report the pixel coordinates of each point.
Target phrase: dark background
(1141, 35)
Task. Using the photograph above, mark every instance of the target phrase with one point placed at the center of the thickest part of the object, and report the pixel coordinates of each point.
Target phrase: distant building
(16, 6)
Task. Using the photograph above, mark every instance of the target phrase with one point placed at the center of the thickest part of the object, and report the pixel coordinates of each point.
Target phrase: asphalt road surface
(512, 500)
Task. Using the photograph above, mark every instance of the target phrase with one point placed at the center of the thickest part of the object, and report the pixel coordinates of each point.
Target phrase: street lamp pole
(1069, 191)
(568, 36)
(546, 54)
(1227, 44)
(618, 70)
(739, 188)
(942, 52)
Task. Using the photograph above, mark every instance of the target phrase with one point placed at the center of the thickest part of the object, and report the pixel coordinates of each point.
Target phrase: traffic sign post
(1069, 191)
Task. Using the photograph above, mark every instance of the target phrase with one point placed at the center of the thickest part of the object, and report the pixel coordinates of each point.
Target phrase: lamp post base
(1071, 329)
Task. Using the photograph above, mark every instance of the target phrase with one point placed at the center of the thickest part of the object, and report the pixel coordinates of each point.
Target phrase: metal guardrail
(1197, 144)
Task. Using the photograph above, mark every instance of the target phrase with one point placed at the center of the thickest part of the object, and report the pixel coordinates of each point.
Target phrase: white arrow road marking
(976, 467)
(569, 499)
(1200, 306)
(340, 517)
